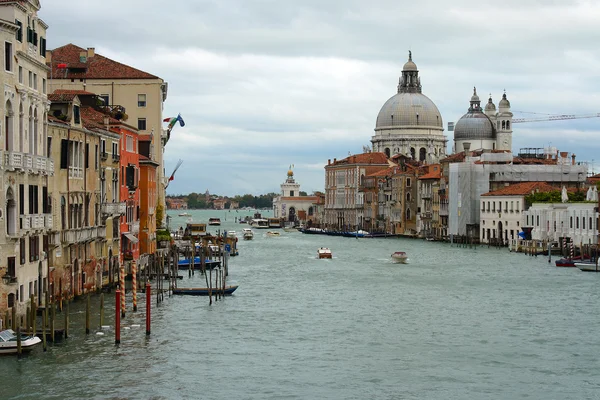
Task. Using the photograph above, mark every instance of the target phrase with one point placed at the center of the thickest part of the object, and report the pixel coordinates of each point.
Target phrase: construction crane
(558, 117)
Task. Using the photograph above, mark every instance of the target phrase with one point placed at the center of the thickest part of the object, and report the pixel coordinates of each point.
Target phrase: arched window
(423, 154)
(571, 222)
(21, 127)
(503, 124)
(11, 213)
(507, 124)
(408, 197)
(310, 211)
(63, 212)
(31, 130)
(408, 213)
(413, 153)
(387, 152)
(8, 128)
(35, 132)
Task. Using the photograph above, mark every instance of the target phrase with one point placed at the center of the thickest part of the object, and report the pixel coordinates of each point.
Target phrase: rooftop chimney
(329, 162)
(467, 147)
(83, 56)
(573, 159)
(48, 56)
(91, 52)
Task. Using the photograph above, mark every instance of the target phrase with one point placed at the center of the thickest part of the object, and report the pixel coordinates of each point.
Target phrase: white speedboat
(273, 233)
(248, 234)
(587, 266)
(8, 342)
(184, 214)
(399, 257)
(324, 252)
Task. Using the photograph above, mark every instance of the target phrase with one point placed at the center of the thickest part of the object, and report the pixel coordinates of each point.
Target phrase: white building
(290, 206)
(552, 221)
(26, 215)
(502, 211)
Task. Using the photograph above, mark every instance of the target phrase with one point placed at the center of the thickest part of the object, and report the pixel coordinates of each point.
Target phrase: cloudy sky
(262, 84)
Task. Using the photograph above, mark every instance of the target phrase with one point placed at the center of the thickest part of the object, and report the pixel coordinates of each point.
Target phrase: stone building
(290, 206)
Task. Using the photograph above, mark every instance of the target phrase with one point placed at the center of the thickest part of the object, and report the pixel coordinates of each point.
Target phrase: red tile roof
(384, 172)
(522, 189)
(95, 119)
(63, 95)
(96, 67)
(364, 158)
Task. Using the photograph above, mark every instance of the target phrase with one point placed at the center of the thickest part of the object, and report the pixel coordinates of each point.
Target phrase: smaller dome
(410, 65)
(474, 125)
(490, 105)
(504, 103)
(474, 98)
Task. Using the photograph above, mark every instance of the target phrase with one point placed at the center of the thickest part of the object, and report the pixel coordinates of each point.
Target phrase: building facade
(289, 206)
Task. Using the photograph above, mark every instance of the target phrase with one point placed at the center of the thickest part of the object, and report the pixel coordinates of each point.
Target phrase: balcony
(15, 161)
(134, 227)
(36, 221)
(114, 208)
(80, 235)
(103, 155)
(9, 279)
(426, 195)
(116, 157)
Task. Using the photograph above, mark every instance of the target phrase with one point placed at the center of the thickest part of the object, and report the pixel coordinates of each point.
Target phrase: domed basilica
(484, 129)
(409, 122)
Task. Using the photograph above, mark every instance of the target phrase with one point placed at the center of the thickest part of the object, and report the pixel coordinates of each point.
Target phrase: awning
(131, 237)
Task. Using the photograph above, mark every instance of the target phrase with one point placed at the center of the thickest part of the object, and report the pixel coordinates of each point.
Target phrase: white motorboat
(273, 233)
(184, 214)
(324, 252)
(260, 223)
(587, 266)
(248, 234)
(8, 342)
(399, 257)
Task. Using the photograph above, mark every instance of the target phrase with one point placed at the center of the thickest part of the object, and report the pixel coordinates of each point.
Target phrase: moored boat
(204, 291)
(184, 263)
(8, 342)
(324, 252)
(214, 221)
(565, 262)
(587, 266)
(399, 257)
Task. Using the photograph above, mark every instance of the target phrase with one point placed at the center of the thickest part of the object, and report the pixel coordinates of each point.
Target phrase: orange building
(148, 196)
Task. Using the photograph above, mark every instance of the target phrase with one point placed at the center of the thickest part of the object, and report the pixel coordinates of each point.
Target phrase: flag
(173, 120)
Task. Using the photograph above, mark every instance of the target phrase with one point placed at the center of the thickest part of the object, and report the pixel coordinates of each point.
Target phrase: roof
(63, 95)
(95, 119)
(433, 173)
(384, 172)
(522, 189)
(96, 67)
(364, 158)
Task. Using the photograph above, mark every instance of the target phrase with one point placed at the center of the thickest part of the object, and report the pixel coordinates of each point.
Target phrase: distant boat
(587, 266)
(184, 214)
(8, 342)
(273, 233)
(204, 291)
(248, 234)
(399, 257)
(324, 252)
(214, 221)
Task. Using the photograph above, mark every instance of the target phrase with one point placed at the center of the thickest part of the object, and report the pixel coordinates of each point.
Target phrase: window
(142, 124)
(141, 100)
(35, 81)
(19, 33)
(30, 82)
(42, 47)
(76, 115)
(129, 144)
(407, 182)
(44, 85)
(8, 56)
(22, 250)
(34, 248)
(20, 74)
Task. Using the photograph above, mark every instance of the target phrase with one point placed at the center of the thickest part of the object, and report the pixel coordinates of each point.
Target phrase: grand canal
(454, 323)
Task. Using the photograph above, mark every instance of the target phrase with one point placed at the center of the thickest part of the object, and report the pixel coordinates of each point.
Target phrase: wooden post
(87, 315)
(13, 320)
(53, 316)
(5, 321)
(67, 320)
(44, 321)
(148, 308)
(101, 310)
(33, 315)
(134, 283)
(19, 349)
(122, 286)
(117, 316)
(60, 292)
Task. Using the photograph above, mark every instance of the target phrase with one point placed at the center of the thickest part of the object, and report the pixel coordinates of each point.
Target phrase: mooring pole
(117, 316)
(148, 308)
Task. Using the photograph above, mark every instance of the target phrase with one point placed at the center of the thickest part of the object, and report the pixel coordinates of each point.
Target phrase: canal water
(454, 323)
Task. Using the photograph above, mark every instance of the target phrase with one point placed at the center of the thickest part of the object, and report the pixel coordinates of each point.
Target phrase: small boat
(214, 221)
(399, 257)
(184, 214)
(204, 291)
(565, 262)
(8, 342)
(324, 252)
(273, 233)
(231, 234)
(260, 223)
(248, 234)
(184, 263)
(587, 266)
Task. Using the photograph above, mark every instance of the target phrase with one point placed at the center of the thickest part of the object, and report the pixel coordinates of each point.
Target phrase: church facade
(289, 206)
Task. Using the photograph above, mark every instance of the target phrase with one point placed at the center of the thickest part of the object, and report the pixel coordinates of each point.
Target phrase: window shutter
(64, 153)
(29, 35)
(87, 155)
(35, 38)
